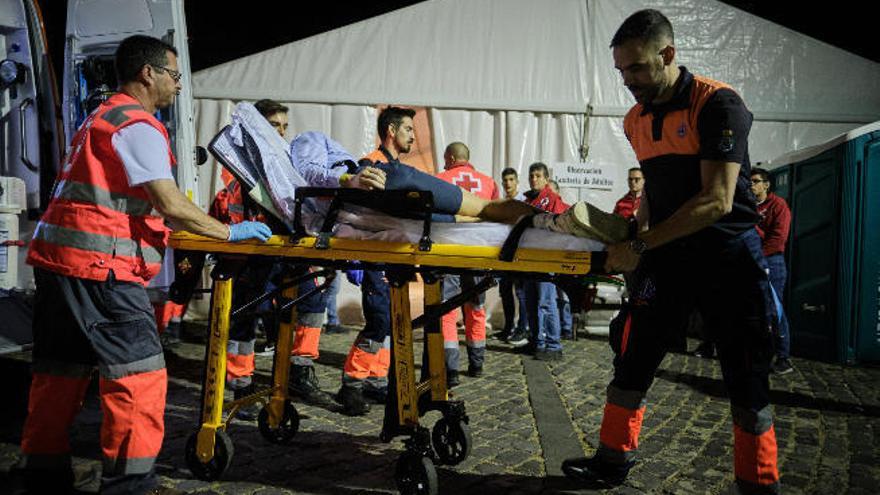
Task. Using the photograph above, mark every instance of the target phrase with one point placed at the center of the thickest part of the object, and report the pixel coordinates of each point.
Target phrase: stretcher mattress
(256, 154)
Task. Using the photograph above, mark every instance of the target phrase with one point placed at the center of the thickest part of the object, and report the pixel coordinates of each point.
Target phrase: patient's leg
(499, 210)
(582, 219)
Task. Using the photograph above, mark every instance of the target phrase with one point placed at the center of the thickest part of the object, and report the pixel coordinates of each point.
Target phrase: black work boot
(452, 378)
(304, 384)
(594, 471)
(377, 395)
(248, 412)
(352, 400)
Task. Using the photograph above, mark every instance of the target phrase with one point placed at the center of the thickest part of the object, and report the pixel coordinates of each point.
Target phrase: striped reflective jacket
(95, 221)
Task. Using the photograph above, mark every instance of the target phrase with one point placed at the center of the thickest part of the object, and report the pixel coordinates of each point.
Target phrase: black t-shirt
(673, 177)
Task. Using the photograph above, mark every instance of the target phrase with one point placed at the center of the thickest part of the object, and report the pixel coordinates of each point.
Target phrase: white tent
(521, 81)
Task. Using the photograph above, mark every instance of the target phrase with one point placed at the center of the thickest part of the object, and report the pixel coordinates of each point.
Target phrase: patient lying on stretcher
(322, 162)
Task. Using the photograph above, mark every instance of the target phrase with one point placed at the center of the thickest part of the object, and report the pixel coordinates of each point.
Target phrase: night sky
(221, 31)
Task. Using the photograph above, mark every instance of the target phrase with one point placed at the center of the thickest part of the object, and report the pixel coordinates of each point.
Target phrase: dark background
(221, 31)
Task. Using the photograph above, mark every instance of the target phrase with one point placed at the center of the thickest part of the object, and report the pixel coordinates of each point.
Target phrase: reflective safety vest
(95, 221)
(228, 206)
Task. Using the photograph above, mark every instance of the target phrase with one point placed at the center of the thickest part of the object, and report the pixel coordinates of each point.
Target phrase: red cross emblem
(467, 182)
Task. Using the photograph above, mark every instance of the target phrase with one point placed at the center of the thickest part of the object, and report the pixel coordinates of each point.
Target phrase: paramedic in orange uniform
(93, 251)
(690, 135)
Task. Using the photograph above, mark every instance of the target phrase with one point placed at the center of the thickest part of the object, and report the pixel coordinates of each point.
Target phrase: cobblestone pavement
(827, 423)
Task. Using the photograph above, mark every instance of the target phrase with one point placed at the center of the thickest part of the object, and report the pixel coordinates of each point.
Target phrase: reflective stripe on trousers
(239, 359)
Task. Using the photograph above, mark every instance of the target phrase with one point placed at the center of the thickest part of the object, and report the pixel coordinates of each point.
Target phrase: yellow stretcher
(209, 450)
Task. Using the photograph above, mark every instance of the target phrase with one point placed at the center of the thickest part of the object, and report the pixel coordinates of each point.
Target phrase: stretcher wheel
(452, 441)
(213, 469)
(415, 475)
(287, 428)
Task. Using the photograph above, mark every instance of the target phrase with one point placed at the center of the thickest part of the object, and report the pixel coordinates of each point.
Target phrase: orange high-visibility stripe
(239, 365)
(134, 408)
(621, 427)
(376, 156)
(755, 456)
(448, 326)
(306, 341)
(474, 324)
(359, 362)
(382, 363)
(53, 404)
(681, 136)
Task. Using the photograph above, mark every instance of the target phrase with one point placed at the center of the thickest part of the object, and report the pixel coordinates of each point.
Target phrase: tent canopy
(522, 81)
(548, 57)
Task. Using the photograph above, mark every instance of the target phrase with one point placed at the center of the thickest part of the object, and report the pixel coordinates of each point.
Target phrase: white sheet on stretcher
(254, 149)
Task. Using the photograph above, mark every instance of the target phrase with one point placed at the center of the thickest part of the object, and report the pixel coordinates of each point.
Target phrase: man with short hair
(459, 171)
(95, 248)
(543, 312)
(510, 184)
(508, 286)
(628, 205)
(773, 229)
(690, 135)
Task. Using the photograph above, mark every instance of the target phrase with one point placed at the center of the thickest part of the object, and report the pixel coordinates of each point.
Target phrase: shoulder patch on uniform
(117, 115)
(726, 143)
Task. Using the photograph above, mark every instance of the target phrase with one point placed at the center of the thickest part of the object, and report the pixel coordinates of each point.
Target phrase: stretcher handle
(245, 308)
(309, 293)
(436, 311)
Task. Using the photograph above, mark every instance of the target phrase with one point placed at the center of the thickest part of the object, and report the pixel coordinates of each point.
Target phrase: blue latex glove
(249, 230)
(355, 276)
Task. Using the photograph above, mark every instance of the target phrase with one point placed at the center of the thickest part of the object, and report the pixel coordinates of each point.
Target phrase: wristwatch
(638, 246)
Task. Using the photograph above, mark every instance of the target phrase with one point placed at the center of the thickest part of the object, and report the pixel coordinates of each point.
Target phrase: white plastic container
(12, 202)
(8, 251)
(12, 195)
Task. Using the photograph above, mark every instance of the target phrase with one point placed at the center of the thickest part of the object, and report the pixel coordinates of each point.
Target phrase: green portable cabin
(832, 298)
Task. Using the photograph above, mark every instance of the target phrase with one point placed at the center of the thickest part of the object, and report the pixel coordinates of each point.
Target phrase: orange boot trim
(53, 404)
(359, 363)
(239, 365)
(621, 427)
(755, 456)
(134, 408)
(306, 341)
(475, 324)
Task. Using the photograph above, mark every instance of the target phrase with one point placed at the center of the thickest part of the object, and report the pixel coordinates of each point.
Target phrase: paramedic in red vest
(690, 135)
(459, 171)
(628, 205)
(94, 250)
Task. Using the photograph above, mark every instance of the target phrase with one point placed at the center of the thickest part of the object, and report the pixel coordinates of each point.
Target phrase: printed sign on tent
(591, 174)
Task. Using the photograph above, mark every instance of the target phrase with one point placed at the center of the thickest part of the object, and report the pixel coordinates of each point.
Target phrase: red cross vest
(466, 177)
(95, 221)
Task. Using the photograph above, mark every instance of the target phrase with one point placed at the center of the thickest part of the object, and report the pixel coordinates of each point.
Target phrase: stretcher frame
(209, 451)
